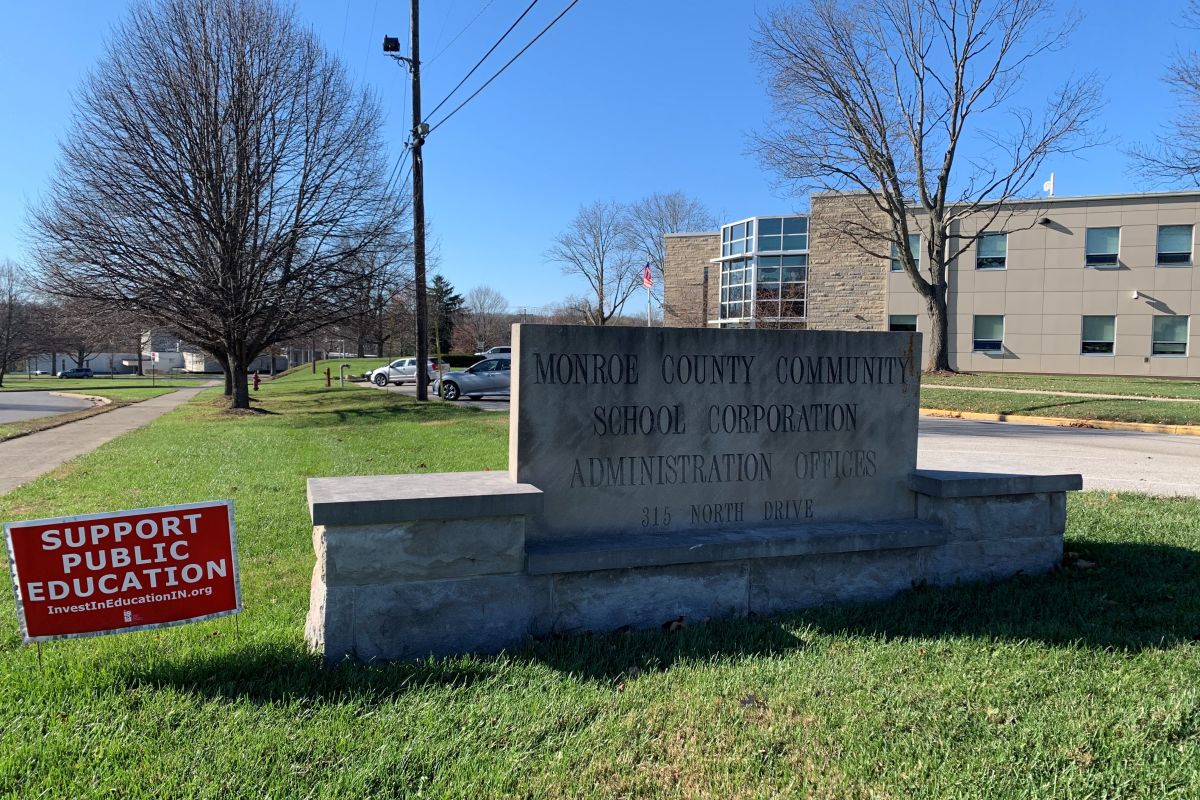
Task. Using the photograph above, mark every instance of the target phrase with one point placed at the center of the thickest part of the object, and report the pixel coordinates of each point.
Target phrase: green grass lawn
(1083, 683)
(1047, 405)
(1096, 384)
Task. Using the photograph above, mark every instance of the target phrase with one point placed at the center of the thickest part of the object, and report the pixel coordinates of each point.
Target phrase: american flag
(647, 277)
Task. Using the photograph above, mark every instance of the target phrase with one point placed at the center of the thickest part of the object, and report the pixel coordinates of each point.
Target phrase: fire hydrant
(256, 381)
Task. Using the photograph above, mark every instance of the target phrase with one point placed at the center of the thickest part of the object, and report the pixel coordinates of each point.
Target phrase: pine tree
(444, 307)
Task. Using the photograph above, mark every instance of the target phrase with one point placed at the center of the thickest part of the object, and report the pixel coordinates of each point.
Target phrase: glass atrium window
(1101, 247)
(736, 279)
(991, 251)
(738, 238)
(782, 287)
(902, 322)
(759, 289)
(989, 333)
(780, 234)
(1175, 245)
(1170, 336)
(914, 247)
(1099, 333)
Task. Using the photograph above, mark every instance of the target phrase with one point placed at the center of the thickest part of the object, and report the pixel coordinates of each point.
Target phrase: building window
(781, 288)
(736, 278)
(914, 247)
(1170, 336)
(737, 239)
(1174, 245)
(989, 333)
(902, 322)
(991, 251)
(782, 234)
(1101, 247)
(1098, 336)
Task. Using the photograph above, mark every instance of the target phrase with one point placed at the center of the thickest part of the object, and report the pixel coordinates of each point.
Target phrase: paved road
(1157, 463)
(26, 458)
(17, 406)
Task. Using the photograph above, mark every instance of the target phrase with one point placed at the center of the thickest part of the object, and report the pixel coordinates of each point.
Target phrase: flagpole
(648, 282)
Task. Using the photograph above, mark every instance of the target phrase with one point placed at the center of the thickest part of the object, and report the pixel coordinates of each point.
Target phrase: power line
(374, 12)
(345, 26)
(479, 63)
(506, 66)
(446, 15)
(460, 33)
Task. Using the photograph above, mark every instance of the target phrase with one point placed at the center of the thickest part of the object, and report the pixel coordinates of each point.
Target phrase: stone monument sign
(670, 429)
(658, 475)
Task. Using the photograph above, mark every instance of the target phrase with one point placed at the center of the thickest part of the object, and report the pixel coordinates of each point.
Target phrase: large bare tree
(914, 106)
(221, 177)
(1174, 159)
(650, 219)
(595, 247)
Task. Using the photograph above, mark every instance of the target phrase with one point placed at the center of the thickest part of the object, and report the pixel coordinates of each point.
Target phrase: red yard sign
(124, 571)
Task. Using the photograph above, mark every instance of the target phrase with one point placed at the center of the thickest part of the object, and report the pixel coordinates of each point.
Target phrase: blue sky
(622, 98)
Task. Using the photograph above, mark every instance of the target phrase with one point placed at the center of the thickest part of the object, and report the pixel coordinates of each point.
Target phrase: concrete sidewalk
(28, 457)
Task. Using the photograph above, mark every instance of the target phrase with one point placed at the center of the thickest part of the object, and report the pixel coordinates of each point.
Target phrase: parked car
(404, 370)
(75, 372)
(492, 352)
(492, 376)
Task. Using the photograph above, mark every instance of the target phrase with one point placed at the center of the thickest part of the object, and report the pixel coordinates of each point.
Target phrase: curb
(1066, 422)
(95, 398)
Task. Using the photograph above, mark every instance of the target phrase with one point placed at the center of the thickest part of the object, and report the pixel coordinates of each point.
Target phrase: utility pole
(419, 131)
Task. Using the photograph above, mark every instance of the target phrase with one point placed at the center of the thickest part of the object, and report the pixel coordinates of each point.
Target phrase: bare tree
(81, 329)
(485, 322)
(221, 177)
(650, 219)
(19, 318)
(1174, 159)
(595, 246)
(371, 311)
(889, 99)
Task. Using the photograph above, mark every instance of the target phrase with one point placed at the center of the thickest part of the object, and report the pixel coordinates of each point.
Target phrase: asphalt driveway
(18, 406)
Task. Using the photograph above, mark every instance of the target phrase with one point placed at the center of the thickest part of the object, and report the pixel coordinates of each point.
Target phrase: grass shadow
(275, 673)
(1129, 598)
(316, 412)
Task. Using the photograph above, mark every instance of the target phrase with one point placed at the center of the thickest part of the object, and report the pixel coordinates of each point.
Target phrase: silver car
(404, 370)
(491, 376)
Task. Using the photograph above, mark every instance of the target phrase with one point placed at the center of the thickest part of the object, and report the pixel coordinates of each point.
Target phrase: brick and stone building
(1085, 285)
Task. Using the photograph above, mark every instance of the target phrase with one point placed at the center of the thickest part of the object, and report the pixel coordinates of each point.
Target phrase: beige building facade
(1105, 285)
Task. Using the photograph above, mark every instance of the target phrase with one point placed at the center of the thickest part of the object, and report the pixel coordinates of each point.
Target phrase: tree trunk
(241, 390)
(937, 342)
(53, 363)
(139, 355)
